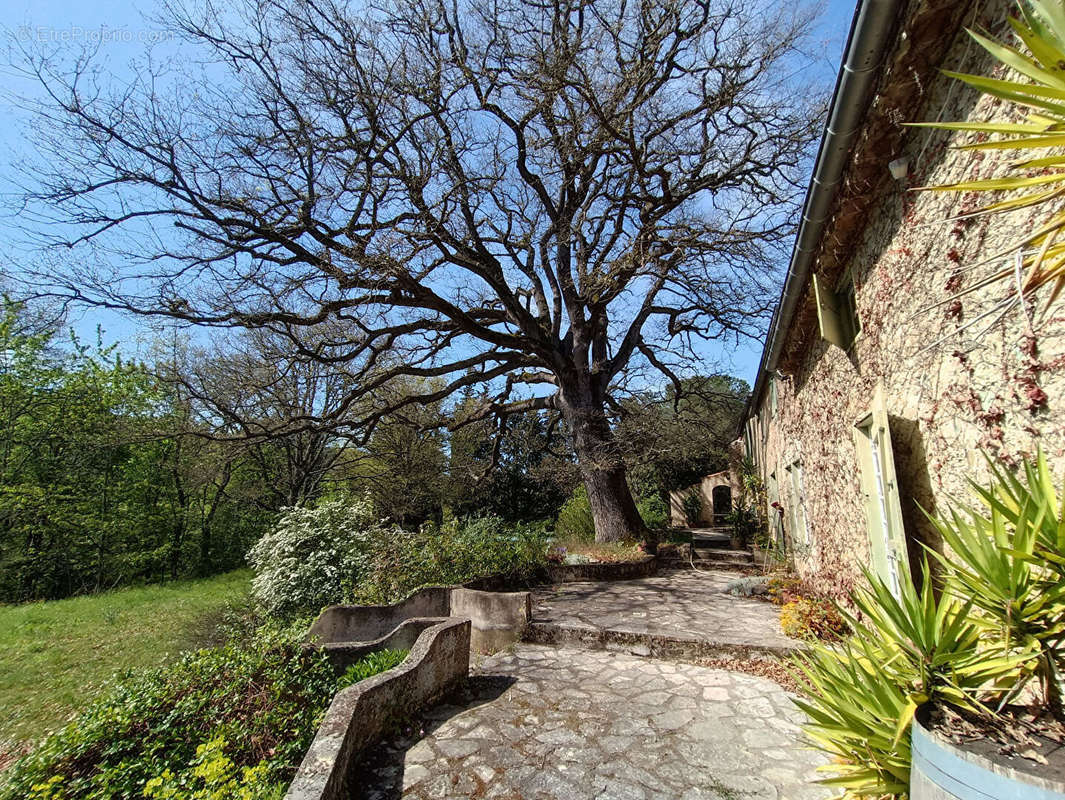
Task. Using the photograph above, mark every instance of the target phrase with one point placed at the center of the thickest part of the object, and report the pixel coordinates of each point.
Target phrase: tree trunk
(613, 509)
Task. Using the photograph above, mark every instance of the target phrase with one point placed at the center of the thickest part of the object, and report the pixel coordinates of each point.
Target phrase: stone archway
(715, 504)
(722, 501)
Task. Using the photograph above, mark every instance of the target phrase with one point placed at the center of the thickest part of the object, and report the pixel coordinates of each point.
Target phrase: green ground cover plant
(55, 656)
(372, 664)
(226, 722)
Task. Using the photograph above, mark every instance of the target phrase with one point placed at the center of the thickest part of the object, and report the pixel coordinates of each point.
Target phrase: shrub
(397, 562)
(370, 665)
(654, 512)
(227, 717)
(575, 522)
(339, 553)
(312, 556)
(784, 589)
(692, 503)
(813, 618)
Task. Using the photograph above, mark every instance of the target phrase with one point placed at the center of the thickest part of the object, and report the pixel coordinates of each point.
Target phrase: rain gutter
(870, 33)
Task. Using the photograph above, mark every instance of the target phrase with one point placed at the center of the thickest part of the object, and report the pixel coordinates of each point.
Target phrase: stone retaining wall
(360, 714)
(349, 632)
(665, 646)
(370, 623)
(613, 571)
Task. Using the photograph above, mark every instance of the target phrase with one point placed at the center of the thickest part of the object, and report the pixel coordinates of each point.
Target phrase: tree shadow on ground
(379, 774)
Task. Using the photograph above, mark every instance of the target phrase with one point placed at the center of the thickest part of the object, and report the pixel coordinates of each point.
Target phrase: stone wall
(950, 391)
(360, 714)
(705, 487)
(349, 632)
(369, 623)
(601, 571)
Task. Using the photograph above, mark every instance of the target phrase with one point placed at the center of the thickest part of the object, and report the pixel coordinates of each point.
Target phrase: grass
(55, 656)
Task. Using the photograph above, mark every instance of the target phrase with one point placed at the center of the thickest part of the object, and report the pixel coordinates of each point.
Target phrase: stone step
(646, 644)
(707, 564)
(720, 554)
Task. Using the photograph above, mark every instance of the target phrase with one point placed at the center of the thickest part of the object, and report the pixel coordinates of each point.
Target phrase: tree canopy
(543, 199)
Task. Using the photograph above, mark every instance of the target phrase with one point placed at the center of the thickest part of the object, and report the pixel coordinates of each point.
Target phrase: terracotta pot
(943, 771)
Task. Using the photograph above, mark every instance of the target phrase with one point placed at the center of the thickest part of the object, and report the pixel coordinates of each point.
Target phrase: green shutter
(828, 316)
(880, 486)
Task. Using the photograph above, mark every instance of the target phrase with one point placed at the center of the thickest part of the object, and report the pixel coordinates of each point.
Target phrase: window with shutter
(837, 313)
(883, 509)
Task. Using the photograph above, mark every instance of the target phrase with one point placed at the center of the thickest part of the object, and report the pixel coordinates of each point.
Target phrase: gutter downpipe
(867, 41)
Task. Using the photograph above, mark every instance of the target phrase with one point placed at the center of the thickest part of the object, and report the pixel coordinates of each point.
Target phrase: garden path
(665, 614)
(547, 723)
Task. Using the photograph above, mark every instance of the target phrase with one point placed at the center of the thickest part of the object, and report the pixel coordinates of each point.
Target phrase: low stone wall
(602, 571)
(370, 623)
(498, 619)
(343, 654)
(669, 647)
(361, 713)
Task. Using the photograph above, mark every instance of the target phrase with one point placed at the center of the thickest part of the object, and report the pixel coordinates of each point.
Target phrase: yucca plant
(1007, 558)
(974, 646)
(862, 694)
(853, 704)
(1036, 257)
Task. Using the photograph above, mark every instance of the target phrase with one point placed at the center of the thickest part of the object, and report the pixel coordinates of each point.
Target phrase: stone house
(879, 389)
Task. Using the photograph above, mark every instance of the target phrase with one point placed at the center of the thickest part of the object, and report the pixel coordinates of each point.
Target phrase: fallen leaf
(1032, 755)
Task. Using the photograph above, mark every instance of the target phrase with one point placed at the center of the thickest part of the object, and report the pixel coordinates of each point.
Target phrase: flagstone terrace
(596, 713)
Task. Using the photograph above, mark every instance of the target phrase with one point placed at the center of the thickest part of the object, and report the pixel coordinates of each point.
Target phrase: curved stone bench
(361, 713)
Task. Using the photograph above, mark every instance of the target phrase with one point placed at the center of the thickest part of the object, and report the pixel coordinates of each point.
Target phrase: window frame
(838, 320)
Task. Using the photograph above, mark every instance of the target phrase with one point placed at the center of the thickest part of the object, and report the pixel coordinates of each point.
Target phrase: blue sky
(122, 30)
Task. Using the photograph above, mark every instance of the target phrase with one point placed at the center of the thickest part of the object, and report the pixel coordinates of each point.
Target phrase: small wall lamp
(899, 168)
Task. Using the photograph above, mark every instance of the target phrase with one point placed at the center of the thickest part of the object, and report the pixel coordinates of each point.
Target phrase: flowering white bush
(340, 552)
(312, 557)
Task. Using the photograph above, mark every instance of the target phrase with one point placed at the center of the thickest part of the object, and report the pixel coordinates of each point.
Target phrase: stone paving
(540, 723)
(684, 604)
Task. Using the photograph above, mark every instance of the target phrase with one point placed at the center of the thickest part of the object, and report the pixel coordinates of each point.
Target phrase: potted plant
(976, 660)
(744, 524)
(1006, 559)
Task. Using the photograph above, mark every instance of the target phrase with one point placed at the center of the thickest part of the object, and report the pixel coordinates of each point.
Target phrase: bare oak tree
(550, 198)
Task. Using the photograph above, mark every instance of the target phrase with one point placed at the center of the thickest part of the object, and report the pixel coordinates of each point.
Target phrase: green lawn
(54, 656)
